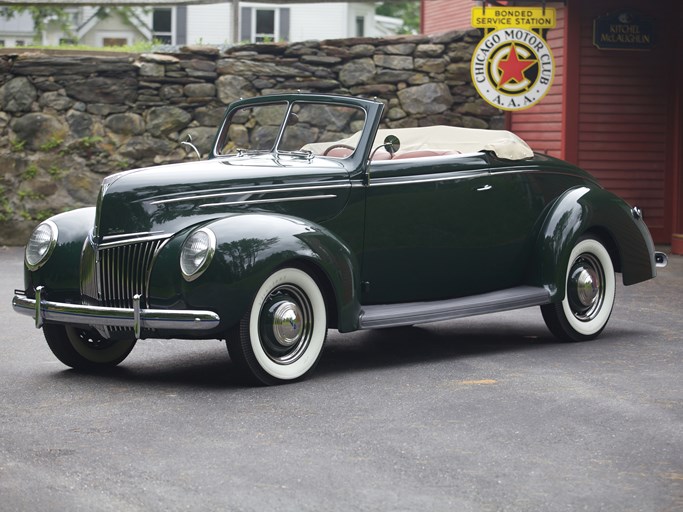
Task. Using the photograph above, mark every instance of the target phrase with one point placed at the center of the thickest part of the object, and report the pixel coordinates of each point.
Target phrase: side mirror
(392, 144)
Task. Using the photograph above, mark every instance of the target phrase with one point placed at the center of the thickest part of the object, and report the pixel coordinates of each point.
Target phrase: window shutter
(245, 24)
(181, 24)
(284, 23)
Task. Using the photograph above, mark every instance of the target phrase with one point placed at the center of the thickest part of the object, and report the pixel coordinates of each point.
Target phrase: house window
(162, 22)
(21, 42)
(74, 15)
(114, 41)
(265, 26)
(360, 26)
(259, 25)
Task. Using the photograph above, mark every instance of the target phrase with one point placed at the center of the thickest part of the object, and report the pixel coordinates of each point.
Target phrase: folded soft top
(503, 143)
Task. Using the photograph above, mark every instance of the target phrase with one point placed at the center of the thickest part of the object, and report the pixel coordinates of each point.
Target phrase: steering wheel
(335, 146)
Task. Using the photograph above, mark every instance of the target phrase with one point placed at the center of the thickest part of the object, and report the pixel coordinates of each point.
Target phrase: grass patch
(52, 143)
(140, 47)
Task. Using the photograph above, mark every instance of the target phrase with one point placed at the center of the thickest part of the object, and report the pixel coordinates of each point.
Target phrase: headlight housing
(197, 252)
(41, 244)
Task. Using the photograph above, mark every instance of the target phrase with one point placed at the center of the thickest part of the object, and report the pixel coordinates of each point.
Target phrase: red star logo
(513, 68)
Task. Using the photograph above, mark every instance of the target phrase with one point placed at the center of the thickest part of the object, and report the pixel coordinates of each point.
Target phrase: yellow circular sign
(512, 69)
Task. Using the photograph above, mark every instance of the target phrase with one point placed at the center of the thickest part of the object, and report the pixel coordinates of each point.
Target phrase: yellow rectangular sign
(513, 17)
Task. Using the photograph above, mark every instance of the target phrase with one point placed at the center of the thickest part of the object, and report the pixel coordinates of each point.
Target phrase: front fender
(61, 272)
(249, 247)
(584, 210)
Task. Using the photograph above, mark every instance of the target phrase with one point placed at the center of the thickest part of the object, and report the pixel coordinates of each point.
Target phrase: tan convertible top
(462, 140)
(444, 139)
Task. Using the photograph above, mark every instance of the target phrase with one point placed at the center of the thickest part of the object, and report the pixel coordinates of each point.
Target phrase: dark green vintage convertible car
(306, 217)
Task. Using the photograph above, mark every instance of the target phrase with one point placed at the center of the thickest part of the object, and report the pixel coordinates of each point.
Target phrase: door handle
(484, 188)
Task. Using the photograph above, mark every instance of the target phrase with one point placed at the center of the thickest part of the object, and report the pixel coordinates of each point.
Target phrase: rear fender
(581, 211)
(250, 247)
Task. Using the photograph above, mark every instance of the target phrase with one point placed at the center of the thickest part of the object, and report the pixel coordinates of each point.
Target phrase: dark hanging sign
(624, 30)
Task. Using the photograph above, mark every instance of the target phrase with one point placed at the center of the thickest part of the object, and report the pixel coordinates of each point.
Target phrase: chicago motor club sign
(512, 67)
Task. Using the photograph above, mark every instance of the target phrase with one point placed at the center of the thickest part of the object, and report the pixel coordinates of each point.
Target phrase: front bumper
(134, 318)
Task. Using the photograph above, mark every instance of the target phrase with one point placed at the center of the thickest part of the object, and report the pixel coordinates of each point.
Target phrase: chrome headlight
(197, 252)
(41, 244)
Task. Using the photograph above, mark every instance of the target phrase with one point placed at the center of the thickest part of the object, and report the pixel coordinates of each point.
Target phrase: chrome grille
(122, 272)
(113, 273)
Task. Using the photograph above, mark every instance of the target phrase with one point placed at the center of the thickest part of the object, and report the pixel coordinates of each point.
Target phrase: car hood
(168, 198)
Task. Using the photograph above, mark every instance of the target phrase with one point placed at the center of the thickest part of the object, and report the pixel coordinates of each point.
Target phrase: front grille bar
(115, 273)
(123, 272)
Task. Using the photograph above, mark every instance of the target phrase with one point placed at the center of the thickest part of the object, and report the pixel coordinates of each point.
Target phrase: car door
(444, 227)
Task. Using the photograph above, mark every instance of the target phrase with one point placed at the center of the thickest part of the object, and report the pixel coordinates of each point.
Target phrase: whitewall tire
(589, 297)
(281, 337)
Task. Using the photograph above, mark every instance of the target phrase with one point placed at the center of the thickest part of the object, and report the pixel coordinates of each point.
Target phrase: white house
(208, 24)
(17, 31)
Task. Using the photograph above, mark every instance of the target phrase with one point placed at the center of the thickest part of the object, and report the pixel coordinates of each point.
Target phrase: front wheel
(589, 296)
(281, 337)
(83, 349)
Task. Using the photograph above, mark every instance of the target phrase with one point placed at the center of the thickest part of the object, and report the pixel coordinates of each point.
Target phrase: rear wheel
(85, 349)
(281, 337)
(589, 296)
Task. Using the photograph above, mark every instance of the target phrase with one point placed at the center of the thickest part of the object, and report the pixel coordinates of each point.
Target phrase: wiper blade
(304, 153)
(244, 152)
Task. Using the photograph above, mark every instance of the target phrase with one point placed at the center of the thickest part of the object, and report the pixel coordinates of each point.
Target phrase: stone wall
(69, 119)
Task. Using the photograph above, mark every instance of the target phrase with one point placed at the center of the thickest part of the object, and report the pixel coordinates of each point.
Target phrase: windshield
(299, 127)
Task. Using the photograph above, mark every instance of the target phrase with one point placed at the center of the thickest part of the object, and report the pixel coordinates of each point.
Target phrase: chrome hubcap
(287, 324)
(585, 287)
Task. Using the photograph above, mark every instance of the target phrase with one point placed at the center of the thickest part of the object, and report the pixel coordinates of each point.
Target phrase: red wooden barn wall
(614, 113)
(624, 122)
(442, 15)
(541, 126)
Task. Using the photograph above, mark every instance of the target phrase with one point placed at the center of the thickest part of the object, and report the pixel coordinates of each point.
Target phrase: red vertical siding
(624, 116)
(618, 114)
(675, 182)
(443, 15)
(541, 125)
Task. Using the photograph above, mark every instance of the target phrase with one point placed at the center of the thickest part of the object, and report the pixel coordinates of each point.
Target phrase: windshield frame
(372, 110)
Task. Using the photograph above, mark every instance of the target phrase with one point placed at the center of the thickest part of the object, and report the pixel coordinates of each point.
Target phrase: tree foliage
(41, 15)
(409, 12)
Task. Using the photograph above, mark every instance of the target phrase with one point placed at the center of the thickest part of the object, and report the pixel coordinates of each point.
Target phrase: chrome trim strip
(127, 241)
(76, 314)
(266, 201)
(344, 184)
(133, 235)
(396, 180)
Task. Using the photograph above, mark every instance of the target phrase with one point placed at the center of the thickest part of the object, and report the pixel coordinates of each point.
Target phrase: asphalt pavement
(481, 414)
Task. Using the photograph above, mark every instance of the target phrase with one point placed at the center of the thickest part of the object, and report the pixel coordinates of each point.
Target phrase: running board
(410, 313)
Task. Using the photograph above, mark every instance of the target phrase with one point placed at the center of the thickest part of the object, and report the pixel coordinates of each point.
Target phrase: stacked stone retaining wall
(69, 119)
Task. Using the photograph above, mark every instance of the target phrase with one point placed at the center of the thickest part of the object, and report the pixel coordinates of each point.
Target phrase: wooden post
(235, 21)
